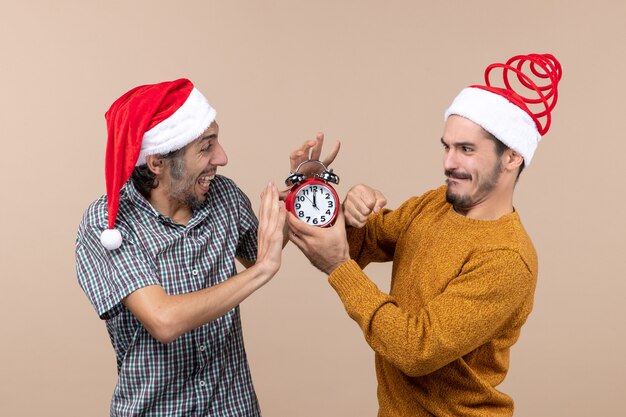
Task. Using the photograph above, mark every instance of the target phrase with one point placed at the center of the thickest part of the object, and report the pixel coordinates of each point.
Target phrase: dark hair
(145, 181)
(501, 148)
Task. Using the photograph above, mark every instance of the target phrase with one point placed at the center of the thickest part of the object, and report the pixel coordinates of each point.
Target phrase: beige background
(376, 74)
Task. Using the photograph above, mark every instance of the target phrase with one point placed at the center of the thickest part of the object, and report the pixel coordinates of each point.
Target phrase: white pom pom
(111, 239)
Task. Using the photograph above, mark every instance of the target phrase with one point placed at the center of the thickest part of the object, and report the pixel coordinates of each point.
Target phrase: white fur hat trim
(497, 115)
(184, 126)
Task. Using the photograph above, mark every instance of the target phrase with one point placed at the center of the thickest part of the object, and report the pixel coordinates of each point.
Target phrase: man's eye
(467, 149)
(205, 149)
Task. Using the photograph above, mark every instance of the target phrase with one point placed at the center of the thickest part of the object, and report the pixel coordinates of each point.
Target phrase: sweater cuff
(357, 292)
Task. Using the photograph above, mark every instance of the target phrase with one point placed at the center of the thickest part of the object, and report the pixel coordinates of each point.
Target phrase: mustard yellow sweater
(460, 291)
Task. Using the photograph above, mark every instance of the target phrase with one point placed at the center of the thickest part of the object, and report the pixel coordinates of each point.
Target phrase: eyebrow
(207, 138)
(458, 144)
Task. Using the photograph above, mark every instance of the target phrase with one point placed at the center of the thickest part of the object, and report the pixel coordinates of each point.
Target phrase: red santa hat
(517, 119)
(147, 120)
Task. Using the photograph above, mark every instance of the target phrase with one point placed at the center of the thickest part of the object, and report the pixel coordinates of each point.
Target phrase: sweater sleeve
(488, 296)
(376, 241)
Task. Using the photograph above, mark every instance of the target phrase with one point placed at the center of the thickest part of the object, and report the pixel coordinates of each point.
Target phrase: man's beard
(189, 199)
(466, 201)
(182, 189)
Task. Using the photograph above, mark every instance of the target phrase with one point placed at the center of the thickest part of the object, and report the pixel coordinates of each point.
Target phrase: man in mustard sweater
(464, 268)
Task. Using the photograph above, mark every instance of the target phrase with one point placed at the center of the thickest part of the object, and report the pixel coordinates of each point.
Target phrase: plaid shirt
(205, 371)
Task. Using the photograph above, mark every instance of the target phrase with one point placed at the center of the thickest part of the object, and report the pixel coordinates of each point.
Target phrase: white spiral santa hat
(506, 112)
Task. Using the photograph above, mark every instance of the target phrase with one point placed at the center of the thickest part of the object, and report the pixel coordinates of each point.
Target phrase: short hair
(145, 180)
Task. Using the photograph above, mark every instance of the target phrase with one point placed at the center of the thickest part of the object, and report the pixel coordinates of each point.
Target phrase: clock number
(306, 204)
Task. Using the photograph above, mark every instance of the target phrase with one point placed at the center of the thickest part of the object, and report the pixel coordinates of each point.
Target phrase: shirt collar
(136, 199)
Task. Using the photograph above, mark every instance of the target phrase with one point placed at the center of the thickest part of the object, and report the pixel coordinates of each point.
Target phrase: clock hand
(307, 198)
(314, 200)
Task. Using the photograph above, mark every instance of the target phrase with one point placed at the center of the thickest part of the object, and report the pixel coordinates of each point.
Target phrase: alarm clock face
(316, 204)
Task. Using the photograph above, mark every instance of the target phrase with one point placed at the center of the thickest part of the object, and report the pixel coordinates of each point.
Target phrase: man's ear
(512, 160)
(156, 164)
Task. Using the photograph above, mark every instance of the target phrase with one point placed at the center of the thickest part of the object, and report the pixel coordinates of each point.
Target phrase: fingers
(282, 194)
(299, 227)
(300, 155)
(333, 154)
(366, 198)
(272, 215)
(293, 235)
(381, 201)
(293, 230)
(353, 217)
(264, 213)
(277, 224)
(316, 150)
(326, 248)
(277, 215)
(282, 216)
(312, 150)
(360, 203)
(269, 211)
(266, 199)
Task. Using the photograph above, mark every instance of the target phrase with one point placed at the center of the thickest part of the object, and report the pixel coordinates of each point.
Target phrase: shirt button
(202, 348)
(194, 272)
(202, 383)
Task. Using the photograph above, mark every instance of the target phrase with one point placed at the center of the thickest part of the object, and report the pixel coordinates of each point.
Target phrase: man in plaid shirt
(156, 257)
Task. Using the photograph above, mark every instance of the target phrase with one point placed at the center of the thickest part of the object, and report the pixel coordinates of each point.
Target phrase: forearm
(167, 317)
(376, 240)
(384, 325)
(423, 340)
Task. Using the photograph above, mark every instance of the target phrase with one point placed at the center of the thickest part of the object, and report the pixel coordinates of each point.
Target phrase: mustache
(209, 171)
(458, 175)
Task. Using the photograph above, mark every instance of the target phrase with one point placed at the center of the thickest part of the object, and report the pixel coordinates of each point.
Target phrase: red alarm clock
(312, 199)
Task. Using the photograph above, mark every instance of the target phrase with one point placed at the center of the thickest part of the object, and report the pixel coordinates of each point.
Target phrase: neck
(165, 205)
(487, 210)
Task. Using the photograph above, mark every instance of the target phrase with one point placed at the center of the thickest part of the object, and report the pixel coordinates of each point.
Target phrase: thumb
(381, 202)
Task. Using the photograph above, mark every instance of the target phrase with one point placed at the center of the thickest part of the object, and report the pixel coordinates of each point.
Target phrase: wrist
(263, 271)
(331, 268)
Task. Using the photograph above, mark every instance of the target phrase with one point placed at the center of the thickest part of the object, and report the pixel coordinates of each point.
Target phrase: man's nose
(219, 157)
(450, 161)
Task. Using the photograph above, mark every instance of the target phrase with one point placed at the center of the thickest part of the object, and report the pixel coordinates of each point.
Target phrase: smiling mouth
(205, 179)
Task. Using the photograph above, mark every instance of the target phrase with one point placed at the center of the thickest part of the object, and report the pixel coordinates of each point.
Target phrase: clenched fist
(361, 201)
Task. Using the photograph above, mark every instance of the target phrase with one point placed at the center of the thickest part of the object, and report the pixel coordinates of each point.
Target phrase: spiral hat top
(519, 111)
